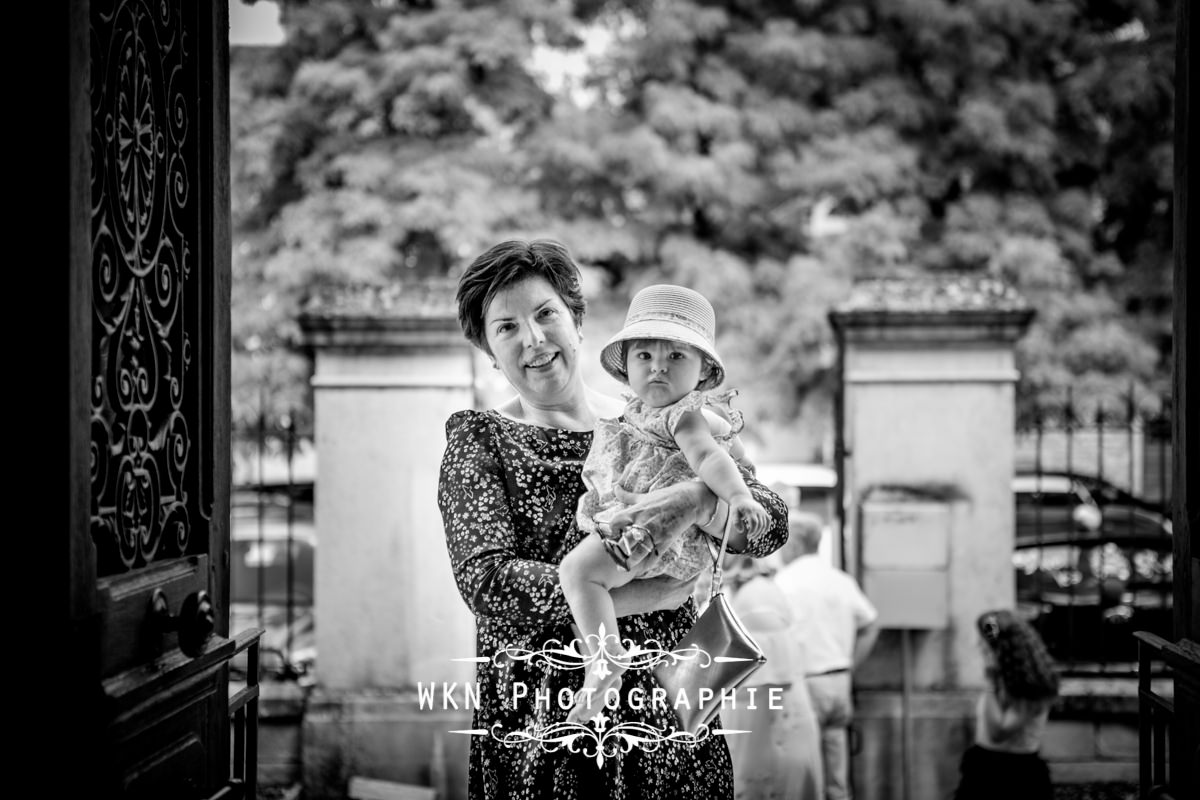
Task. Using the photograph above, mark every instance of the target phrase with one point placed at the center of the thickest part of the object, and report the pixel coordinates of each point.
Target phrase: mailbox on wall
(905, 557)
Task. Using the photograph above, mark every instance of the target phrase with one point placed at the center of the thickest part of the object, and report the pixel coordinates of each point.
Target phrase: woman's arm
(492, 578)
(663, 593)
(674, 508)
(1004, 721)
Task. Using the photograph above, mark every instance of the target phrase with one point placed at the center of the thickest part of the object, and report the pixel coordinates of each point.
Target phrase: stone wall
(390, 366)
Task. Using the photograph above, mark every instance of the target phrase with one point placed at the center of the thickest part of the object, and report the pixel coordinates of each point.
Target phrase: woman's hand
(672, 509)
(663, 593)
(665, 512)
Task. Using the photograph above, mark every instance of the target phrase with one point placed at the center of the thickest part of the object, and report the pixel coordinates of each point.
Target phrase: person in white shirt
(837, 625)
(779, 755)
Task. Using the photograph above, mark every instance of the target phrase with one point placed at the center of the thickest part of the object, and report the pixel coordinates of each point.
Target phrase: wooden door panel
(158, 393)
(177, 770)
(170, 717)
(132, 633)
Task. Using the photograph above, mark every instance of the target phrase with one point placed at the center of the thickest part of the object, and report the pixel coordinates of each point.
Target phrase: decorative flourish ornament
(598, 741)
(637, 655)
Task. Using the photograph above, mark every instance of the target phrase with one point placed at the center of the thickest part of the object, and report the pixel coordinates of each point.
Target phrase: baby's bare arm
(710, 462)
(717, 468)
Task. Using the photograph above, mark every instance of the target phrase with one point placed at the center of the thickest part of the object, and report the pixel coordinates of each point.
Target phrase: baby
(672, 429)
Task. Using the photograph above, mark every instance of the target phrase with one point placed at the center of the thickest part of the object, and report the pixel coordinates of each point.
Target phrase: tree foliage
(767, 153)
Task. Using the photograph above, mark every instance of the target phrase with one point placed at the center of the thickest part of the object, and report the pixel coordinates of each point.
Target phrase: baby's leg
(587, 575)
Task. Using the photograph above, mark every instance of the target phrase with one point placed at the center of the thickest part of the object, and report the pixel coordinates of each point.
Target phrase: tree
(766, 153)
(380, 151)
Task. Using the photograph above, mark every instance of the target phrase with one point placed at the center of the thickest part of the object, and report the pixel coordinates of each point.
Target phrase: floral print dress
(637, 451)
(508, 493)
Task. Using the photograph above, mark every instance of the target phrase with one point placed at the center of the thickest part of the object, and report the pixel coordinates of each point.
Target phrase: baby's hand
(752, 517)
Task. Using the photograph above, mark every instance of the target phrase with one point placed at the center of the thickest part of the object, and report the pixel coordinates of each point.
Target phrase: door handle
(194, 623)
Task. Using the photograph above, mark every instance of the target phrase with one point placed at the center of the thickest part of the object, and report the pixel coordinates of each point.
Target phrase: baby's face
(661, 371)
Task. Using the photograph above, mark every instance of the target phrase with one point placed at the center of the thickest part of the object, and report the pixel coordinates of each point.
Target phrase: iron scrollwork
(145, 390)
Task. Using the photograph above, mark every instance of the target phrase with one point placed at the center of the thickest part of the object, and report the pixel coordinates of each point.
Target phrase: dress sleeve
(773, 537)
(493, 579)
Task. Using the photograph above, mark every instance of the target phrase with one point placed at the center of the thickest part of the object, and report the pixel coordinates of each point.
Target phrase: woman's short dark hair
(508, 263)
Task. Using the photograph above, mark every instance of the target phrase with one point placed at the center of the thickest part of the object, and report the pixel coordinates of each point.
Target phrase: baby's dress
(638, 452)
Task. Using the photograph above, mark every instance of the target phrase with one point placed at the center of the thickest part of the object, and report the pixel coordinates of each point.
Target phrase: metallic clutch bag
(717, 654)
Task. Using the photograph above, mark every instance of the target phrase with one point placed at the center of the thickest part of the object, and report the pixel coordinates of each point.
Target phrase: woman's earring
(495, 365)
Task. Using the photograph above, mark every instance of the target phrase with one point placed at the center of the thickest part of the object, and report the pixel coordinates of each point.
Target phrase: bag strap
(719, 560)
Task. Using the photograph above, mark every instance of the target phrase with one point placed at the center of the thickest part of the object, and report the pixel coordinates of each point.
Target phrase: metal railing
(1156, 713)
(243, 718)
(273, 544)
(1093, 556)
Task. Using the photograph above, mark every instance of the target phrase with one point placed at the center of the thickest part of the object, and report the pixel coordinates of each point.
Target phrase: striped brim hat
(666, 311)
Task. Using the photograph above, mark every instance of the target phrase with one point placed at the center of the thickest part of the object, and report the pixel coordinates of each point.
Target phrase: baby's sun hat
(666, 311)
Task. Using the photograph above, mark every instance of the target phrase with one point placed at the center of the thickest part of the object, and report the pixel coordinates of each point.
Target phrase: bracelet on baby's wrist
(716, 510)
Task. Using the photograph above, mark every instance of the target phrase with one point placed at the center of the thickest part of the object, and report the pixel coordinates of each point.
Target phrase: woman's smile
(541, 361)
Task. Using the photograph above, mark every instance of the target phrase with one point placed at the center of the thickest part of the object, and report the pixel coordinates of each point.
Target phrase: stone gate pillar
(925, 439)
(390, 366)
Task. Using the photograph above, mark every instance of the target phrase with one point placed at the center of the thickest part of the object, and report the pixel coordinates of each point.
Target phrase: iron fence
(273, 545)
(1093, 554)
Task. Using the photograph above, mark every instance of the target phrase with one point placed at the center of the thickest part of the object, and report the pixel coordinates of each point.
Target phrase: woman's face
(661, 371)
(534, 340)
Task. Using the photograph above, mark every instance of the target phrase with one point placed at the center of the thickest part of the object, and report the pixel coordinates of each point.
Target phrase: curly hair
(1024, 668)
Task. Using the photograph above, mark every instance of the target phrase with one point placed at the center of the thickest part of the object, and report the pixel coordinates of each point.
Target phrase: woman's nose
(534, 335)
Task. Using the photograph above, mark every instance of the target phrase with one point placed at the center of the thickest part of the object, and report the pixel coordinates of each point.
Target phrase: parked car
(264, 592)
(1089, 573)
(1053, 508)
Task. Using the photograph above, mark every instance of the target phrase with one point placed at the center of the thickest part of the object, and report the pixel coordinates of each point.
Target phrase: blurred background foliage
(765, 152)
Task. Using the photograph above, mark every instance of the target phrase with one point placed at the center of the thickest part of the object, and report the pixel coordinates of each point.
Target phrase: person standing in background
(779, 755)
(837, 625)
(1010, 716)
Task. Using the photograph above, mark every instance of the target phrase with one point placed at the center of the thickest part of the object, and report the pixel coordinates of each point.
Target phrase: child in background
(1011, 714)
(672, 429)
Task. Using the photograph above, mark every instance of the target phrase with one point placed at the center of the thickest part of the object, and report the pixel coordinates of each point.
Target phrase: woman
(1010, 716)
(508, 490)
(779, 756)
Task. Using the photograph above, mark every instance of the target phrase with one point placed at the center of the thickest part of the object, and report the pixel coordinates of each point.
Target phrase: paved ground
(1082, 791)
(1097, 791)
